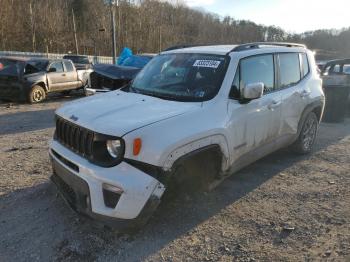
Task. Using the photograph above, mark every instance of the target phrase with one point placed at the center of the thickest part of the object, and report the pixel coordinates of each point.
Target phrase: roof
(146, 54)
(225, 49)
(210, 49)
(73, 55)
(16, 58)
(338, 61)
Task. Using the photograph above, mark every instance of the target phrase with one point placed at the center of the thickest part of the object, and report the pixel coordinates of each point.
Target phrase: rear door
(57, 80)
(71, 76)
(293, 86)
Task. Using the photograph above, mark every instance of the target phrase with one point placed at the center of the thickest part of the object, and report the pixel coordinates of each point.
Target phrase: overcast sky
(292, 15)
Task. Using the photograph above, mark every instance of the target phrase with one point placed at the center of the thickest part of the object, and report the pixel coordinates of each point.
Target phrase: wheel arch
(315, 107)
(216, 145)
(42, 84)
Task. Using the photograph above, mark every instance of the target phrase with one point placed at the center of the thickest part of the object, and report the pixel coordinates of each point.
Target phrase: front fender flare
(177, 153)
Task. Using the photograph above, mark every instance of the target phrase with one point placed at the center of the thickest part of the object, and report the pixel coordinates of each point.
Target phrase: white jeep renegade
(192, 114)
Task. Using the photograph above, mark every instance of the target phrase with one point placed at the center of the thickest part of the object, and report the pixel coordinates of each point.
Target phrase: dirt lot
(283, 208)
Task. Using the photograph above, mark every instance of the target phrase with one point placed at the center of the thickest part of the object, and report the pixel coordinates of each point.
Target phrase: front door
(254, 124)
(71, 76)
(57, 79)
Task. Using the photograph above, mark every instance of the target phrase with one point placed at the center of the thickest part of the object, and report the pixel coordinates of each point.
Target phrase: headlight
(115, 148)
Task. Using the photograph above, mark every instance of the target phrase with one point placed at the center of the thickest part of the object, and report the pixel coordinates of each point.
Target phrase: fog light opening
(111, 195)
(113, 189)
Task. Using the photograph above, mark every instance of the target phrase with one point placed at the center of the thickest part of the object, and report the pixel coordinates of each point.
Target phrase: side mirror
(253, 91)
(52, 69)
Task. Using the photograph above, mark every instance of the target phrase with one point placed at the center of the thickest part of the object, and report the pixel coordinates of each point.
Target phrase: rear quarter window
(305, 64)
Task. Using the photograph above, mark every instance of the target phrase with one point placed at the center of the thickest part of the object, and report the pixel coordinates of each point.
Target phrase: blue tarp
(136, 61)
(126, 52)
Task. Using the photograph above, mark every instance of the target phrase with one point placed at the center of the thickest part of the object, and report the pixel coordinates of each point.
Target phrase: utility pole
(75, 33)
(114, 47)
(32, 24)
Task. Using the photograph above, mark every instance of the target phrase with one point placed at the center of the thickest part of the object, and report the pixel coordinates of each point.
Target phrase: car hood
(118, 113)
(116, 72)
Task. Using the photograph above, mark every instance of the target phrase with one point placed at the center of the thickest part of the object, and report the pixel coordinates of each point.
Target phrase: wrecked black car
(108, 77)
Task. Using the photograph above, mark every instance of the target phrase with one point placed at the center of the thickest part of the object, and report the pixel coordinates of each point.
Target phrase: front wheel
(36, 95)
(306, 140)
(66, 92)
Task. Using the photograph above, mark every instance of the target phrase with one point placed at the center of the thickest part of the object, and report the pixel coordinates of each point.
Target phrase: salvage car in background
(32, 79)
(108, 77)
(81, 62)
(336, 85)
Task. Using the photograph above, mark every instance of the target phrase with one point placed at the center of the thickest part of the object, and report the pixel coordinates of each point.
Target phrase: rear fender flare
(316, 106)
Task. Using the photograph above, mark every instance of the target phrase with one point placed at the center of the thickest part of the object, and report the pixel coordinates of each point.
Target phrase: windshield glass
(5, 63)
(10, 67)
(136, 61)
(35, 66)
(182, 77)
(78, 59)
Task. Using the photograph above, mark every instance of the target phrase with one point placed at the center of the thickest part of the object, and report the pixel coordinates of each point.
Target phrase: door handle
(274, 105)
(305, 93)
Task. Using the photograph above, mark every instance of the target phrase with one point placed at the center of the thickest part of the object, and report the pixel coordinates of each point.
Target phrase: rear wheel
(307, 136)
(36, 95)
(66, 92)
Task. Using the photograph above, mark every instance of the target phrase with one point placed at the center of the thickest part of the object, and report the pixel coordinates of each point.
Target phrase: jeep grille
(74, 137)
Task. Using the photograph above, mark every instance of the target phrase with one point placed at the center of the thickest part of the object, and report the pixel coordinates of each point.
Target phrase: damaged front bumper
(120, 196)
(12, 90)
(91, 91)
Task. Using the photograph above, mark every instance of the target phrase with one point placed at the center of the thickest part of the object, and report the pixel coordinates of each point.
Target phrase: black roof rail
(254, 45)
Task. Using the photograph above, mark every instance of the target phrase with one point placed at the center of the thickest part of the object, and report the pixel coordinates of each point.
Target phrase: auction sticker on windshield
(207, 63)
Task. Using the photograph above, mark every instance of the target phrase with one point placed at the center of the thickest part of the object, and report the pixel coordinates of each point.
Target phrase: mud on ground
(282, 208)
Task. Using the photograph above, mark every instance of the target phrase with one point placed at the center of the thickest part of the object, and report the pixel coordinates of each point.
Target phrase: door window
(346, 69)
(58, 66)
(258, 69)
(68, 66)
(289, 66)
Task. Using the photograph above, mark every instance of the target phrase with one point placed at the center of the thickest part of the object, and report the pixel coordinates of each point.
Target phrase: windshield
(136, 61)
(78, 59)
(35, 66)
(182, 77)
(5, 63)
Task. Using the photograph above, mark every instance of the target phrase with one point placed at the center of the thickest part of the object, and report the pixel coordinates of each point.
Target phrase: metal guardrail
(93, 59)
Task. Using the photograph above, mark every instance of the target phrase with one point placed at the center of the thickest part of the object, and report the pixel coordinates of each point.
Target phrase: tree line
(59, 26)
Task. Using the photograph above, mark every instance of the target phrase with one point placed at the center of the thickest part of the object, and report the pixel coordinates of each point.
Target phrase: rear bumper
(83, 187)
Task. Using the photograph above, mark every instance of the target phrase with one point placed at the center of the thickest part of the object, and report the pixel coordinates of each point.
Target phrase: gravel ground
(282, 208)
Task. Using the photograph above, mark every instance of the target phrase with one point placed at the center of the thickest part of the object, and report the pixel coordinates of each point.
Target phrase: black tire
(86, 93)
(306, 140)
(36, 95)
(66, 92)
(194, 175)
